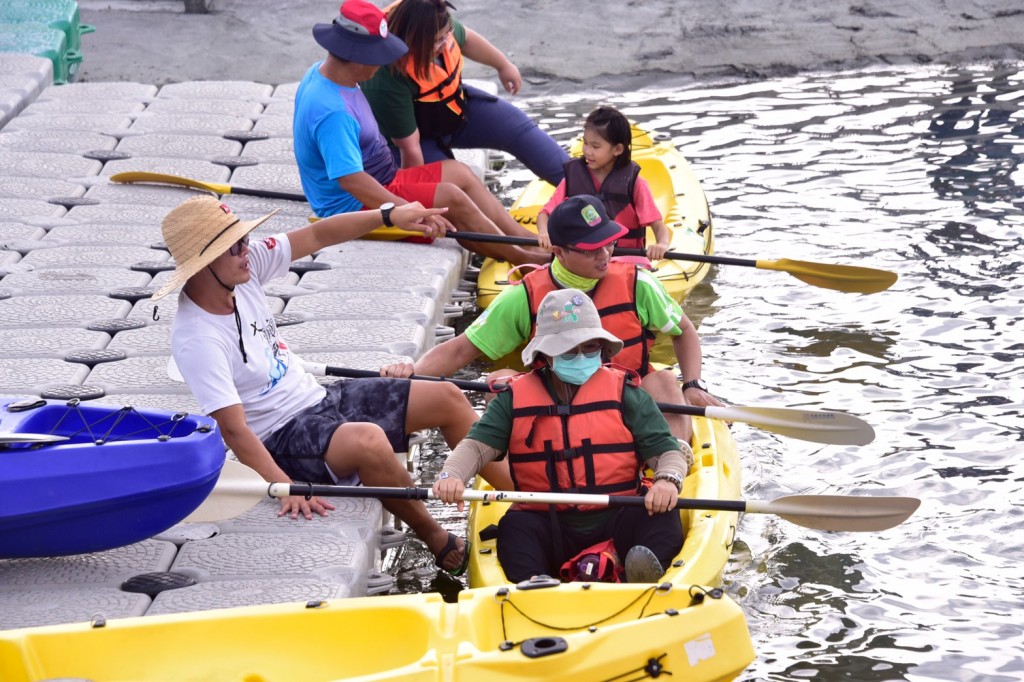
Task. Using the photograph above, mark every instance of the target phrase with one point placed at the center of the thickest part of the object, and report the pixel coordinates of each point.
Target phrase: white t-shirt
(272, 387)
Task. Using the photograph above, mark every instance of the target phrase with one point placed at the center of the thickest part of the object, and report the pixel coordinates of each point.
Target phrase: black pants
(526, 547)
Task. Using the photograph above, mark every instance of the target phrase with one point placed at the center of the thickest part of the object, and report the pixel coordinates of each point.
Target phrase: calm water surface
(917, 171)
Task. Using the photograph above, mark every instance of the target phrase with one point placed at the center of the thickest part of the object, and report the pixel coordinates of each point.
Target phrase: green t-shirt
(391, 95)
(505, 324)
(639, 412)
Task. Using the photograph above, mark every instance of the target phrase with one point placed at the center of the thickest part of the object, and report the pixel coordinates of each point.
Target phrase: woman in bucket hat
(272, 413)
(344, 162)
(574, 423)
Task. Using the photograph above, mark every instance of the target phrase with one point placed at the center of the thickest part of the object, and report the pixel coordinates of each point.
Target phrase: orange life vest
(615, 298)
(440, 102)
(583, 447)
(616, 193)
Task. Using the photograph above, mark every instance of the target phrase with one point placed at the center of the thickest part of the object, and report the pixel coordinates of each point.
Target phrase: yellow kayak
(609, 632)
(678, 194)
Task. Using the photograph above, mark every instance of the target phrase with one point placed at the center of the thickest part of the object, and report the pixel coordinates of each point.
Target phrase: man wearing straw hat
(344, 160)
(574, 424)
(273, 414)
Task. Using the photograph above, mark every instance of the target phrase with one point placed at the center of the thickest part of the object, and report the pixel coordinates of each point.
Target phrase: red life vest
(583, 447)
(440, 102)
(615, 298)
(617, 194)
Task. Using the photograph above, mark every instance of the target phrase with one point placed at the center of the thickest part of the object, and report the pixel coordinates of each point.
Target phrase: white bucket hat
(197, 232)
(565, 319)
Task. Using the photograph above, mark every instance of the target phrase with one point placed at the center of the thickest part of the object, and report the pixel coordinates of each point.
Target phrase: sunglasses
(236, 248)
(591, 253)
(588, 350)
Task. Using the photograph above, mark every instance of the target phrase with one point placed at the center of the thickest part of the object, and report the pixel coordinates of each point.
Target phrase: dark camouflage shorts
(299, 446)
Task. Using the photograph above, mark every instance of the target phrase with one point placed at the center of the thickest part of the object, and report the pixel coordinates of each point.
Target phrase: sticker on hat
(568, 312)
(590, 215)
(383, 28)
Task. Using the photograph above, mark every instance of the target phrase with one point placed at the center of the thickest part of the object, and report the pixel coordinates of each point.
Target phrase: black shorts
(299, 446)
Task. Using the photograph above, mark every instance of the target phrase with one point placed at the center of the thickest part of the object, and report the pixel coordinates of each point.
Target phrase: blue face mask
(577, 369)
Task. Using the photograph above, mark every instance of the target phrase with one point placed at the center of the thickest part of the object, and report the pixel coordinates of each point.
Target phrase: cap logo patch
(590, 215)
(383, 28)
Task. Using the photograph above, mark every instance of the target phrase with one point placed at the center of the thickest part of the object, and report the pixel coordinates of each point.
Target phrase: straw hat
(565, 319)
(197, 232)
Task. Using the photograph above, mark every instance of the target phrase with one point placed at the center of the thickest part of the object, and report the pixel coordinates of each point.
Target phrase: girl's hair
(417, 23)
(610, 124)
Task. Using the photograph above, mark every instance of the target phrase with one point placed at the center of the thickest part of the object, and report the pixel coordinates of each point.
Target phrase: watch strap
(385, 214)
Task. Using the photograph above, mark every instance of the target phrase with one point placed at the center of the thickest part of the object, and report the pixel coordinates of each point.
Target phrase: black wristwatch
(696, 383)
(385, 213)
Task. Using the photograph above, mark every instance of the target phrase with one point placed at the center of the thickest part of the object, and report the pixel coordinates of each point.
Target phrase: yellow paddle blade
(848, 278)
(164, 179)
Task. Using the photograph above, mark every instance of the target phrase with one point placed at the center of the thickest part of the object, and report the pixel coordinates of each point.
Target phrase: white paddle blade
(30, 438)
(816, 426)
(839, 512)
(238, 490)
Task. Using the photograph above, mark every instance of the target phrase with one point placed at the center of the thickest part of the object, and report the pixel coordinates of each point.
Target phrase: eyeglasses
(236, 248)
(590, 349)
(591, 253)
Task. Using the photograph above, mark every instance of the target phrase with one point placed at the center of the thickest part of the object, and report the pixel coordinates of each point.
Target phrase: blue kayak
(79, 477)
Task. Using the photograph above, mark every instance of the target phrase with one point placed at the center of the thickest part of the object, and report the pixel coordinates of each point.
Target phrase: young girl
(606, 170)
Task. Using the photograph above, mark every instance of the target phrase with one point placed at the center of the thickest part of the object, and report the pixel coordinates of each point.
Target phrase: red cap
(366, 15)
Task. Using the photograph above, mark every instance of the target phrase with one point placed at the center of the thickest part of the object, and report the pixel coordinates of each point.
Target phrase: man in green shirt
(583, 237)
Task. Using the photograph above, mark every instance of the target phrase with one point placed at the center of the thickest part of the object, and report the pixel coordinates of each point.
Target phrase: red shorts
(417, 184)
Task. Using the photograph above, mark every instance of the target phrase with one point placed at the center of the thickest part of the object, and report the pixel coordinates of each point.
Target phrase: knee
(363, 437)
(661, 382)
(445, 396)
(452, 196)
(457, 172)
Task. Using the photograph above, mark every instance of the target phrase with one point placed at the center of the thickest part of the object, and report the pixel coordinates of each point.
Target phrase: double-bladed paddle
(240, 488)
(216, 187)
(848, 278)
(816, 426)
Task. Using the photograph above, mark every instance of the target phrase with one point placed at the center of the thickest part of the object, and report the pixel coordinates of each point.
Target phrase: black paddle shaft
(484, 388)
(268, 193)
(671, 255)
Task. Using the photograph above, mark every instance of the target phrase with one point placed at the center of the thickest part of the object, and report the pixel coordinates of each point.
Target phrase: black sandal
(451, 546)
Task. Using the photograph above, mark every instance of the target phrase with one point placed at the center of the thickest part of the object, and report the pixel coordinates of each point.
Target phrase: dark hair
(417, 23)
(614, 128)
